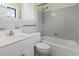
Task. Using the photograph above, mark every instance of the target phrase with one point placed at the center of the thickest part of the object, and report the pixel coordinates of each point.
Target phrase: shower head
(41, 4)
(42, 7)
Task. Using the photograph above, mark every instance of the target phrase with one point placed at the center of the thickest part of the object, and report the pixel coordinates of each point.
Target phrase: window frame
(13, 9)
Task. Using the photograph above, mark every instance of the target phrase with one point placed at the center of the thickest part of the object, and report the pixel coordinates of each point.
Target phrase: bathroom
(39, 29)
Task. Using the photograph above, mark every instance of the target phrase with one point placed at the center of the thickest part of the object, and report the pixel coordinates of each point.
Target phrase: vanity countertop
(6, 40)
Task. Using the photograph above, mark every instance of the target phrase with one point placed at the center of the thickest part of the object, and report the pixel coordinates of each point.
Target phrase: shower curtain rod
(41, 4)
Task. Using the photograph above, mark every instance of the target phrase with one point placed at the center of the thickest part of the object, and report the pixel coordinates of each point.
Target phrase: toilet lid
(42, 46)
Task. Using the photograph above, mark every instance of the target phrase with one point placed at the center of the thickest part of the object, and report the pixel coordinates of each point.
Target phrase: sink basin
(3, 33)
(18, 36)
(4, 40)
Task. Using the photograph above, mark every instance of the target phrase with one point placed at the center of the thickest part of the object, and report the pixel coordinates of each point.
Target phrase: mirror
(10, 10)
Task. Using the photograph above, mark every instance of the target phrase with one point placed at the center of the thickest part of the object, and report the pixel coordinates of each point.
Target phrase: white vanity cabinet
(23, 47)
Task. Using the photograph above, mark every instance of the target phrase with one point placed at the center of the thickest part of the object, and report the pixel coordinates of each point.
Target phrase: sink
(4, 39)
(17, 33)
(21, 34)
(18, 36)
(3, 33)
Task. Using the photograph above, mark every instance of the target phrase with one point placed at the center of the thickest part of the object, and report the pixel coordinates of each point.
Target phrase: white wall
(61, 21)
(77, 23)
(39, 18)
(27, 10)
(29, 14)
(53, 6)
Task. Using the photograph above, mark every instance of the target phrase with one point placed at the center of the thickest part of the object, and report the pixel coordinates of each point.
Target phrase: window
(11, 12)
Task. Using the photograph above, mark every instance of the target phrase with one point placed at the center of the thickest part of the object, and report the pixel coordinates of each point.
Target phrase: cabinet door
(16, 53)
(8, 51)
(28, 52)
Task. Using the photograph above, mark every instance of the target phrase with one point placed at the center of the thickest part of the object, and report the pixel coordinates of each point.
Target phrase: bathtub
(62, 47)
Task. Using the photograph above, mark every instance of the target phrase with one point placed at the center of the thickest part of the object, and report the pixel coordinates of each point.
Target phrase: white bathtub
(62, 47)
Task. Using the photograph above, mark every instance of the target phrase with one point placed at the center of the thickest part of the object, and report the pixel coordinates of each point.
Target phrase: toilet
(43, 49)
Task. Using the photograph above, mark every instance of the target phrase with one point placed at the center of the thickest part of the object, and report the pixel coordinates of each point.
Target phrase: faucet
(11, 33)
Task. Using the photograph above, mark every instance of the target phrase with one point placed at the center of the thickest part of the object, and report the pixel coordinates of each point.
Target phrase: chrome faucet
(11, 33)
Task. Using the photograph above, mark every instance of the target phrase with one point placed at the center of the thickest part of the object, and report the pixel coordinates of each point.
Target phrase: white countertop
(5, 40)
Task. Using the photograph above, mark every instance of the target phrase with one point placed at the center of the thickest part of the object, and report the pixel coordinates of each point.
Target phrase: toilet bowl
(43, 48)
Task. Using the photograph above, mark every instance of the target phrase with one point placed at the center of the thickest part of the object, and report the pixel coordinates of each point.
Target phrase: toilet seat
(42, 46)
